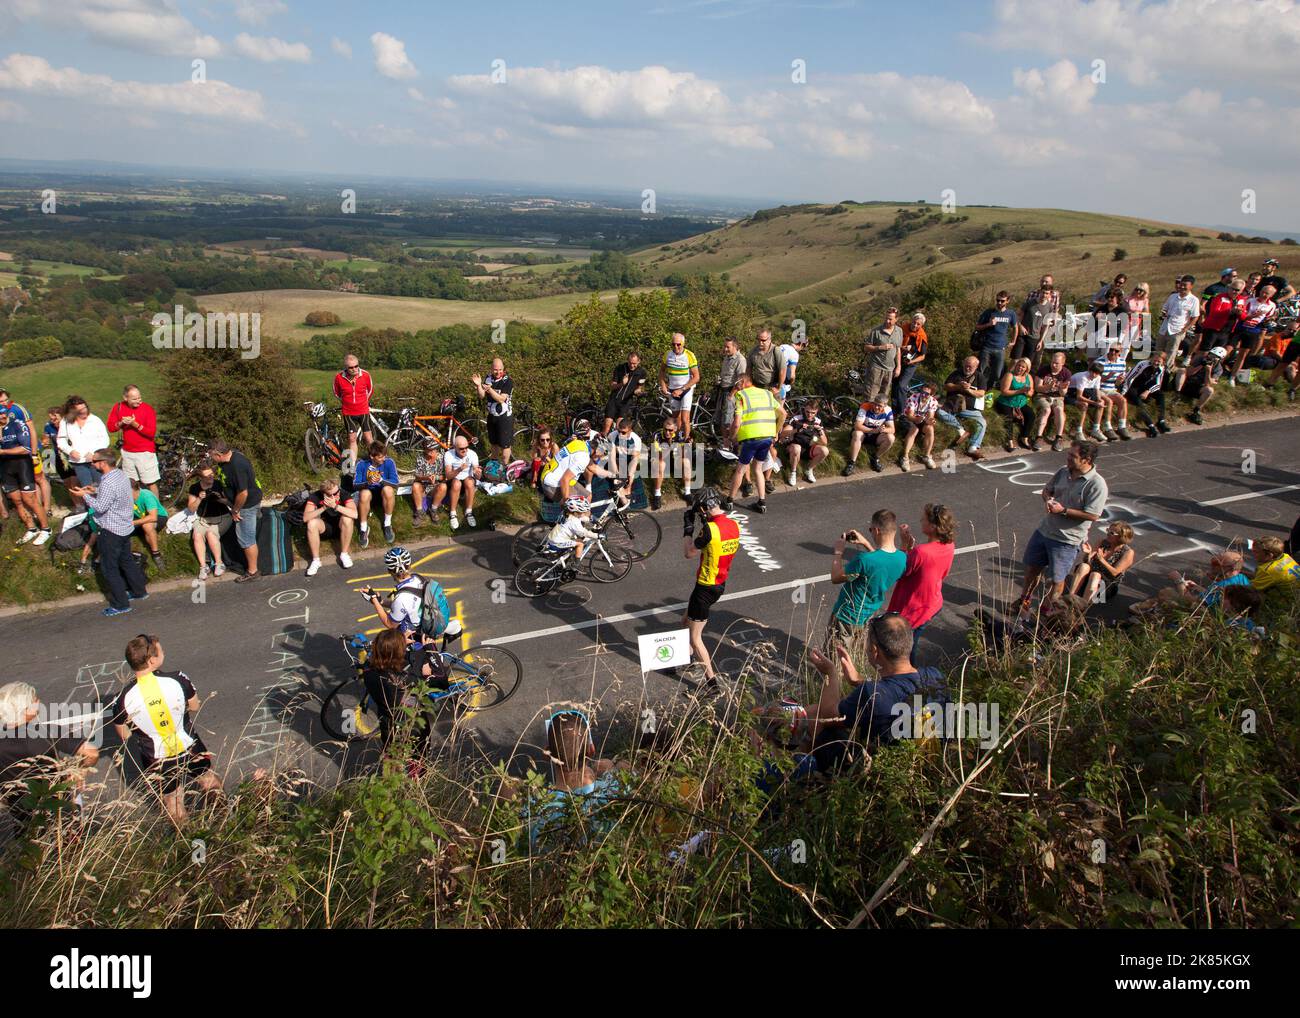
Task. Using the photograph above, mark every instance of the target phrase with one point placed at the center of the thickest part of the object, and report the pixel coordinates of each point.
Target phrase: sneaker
(1097, 436)
(364, 539)
(203, 573)
(848, 470)
(110, 611)
(1123, 433)
(809, 476)
(745, 488)
(656, 500)
(1079, 436)
(132, 597)
(904, 465)
(388, 533)
(760, 506)
(929, 463)
(248, 578)
(345, 560)
(1056, 443)
(29, 536)
(975, 454)
(727, 504)
(45, 535)
(1164, 427)
(157, 559)
(876, 465)
(1195, 417)
(1024, 442)
(469, 518)
(1035, 445)
(1232, 382)
(314, 567)
(1152, 432)
(1112, 435)
(1290, 394)
(420, 519)
(455, 522)
(219, 569)
(794, 481)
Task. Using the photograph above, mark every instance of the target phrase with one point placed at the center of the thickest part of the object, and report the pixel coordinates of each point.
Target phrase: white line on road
(681, 606)
(1253, 494)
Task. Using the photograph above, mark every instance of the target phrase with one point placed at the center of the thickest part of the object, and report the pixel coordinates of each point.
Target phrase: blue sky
(1001, 101)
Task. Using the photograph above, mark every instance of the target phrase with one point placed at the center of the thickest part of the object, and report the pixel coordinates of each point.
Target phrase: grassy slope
(806, 256)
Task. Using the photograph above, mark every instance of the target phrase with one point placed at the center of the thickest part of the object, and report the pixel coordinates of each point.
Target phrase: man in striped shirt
(113, 503)
(1113, 368)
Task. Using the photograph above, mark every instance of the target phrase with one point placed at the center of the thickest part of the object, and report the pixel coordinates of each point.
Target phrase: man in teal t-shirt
(149, 514)
(865, 579)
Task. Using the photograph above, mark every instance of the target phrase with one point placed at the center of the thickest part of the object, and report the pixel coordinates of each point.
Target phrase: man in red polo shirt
(138, 423)
(353, 387)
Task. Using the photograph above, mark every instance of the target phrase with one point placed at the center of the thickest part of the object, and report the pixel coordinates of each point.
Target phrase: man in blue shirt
(376, 475)
(18, 477)
(996, 327)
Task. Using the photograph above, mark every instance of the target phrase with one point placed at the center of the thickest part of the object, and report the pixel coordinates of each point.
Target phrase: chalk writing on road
(265, 730)
(762, 558)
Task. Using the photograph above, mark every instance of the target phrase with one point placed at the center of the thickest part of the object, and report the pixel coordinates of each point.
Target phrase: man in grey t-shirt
(1075, 498)
(881, 364)
(733, 366)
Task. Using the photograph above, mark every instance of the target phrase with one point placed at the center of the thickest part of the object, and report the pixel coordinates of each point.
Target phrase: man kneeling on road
(759, 419)
(716, 544)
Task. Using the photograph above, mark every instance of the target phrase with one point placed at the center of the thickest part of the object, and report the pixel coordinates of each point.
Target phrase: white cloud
(930, 101)
(154, 26)
(258, 12)
(214, 99)
(1060, 87)
(1145, 42)
(269, 49)
(390, 57)
(342, 48)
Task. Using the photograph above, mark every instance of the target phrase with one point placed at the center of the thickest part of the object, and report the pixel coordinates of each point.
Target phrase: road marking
(1253, 494)
(610, 620)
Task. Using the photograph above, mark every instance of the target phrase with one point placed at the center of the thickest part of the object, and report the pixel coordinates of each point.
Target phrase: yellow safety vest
(756, 411)
(574, 445)
(156, 704)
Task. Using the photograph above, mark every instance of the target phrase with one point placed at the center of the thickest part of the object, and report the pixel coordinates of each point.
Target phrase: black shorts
(16, 474)
(356, 422)
(501, 431)
(703, 597)
(1292, 352)
(176, 770)
(615, 409)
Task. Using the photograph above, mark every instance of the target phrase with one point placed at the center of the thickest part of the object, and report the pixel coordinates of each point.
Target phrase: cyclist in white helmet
(406, 605)
(569, 532)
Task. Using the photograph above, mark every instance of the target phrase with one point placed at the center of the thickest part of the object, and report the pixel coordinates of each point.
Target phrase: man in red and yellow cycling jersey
(716, 545)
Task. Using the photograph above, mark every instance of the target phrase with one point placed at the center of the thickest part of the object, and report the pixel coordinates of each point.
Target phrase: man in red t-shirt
(353, 388)
(138, 423)
(1220, 317)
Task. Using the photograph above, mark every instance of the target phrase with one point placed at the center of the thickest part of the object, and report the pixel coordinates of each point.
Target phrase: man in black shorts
(156, 706)
(496, 390)
(626, 384)
(18, 476)
(716, 545)
(330, 513)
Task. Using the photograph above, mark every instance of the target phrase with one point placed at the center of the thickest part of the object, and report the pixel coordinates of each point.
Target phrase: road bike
(448, 424)
(547, 570)
(638, 532)
(178, 457)
(704, 413)
(402, 439)
(478, 679)
(324, 442)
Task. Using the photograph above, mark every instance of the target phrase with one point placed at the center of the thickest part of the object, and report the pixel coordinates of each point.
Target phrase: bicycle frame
(357, 645)
(431, 426)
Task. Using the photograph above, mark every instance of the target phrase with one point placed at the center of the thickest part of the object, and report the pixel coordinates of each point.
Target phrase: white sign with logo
(665, 650)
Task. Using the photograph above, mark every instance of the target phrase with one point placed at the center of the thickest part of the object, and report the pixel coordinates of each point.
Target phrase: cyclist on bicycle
(353, 387)
(568, 534)
(406, 607)
(570, 466)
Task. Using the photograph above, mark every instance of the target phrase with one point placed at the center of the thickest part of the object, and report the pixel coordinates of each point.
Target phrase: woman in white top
(81, 435)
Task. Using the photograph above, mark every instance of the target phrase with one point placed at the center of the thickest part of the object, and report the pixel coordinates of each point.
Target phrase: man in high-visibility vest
(758, 420)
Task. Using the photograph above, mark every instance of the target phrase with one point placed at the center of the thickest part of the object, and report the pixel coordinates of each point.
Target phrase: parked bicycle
(656, 407)
(324, 442)
(178, 457)
(638, 532)
(402, 440)
(547, 570)
(480, 678)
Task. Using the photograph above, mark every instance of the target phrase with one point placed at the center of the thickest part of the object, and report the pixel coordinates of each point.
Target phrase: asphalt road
(262, 657)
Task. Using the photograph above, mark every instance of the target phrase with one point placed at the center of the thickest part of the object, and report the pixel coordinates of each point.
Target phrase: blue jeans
(916, 640)
(990, 369)
(977, 423)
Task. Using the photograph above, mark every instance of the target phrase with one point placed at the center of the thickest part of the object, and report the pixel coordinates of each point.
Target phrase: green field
(100, 382)
(44, 268)
(283, 311)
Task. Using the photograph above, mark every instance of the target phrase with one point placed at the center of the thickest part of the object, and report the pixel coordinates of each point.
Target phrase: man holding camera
(716, 545)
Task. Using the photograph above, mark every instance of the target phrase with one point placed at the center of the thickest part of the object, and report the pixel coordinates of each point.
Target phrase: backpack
(73, 537)
(294, 505)
(434, 611)
(494, 472)
(976, 341)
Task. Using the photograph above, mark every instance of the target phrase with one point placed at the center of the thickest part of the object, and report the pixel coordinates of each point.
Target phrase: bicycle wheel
(492, 675)
(638, 532)
(314, 446)
(539, 575)
(845, 409)
(348, 713)
(595, 567)
(171, 480)
(402, 445)
(528, 542)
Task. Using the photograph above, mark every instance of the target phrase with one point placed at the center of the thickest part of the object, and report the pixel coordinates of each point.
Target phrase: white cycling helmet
(582, 428)
(578, 504)
(318, 410)
(397, 559)
(1218, 352)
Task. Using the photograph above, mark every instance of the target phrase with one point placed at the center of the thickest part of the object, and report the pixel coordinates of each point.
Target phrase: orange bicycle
(444, 426)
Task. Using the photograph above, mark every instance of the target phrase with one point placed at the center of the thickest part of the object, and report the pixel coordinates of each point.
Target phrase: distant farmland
(283, 311)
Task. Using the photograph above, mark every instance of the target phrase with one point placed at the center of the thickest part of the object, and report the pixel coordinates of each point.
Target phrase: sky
(1179, 110)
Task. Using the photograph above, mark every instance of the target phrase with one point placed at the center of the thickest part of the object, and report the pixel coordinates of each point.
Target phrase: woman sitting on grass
(1103, 565)
(1014, 394)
